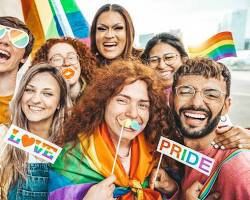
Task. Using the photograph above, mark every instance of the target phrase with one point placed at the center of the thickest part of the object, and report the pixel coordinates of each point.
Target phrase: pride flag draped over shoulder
(89, 162)
(217, 47)
(54, 18)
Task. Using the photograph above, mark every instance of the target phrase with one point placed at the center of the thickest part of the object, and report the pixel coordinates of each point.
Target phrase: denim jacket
(35, 187)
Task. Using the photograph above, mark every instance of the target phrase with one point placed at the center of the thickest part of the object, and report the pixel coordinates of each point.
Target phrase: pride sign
(185, 155)
(32, 144)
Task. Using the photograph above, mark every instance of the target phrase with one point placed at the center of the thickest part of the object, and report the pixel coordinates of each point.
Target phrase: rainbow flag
(91, 160)
(217, 47)
(54, 18)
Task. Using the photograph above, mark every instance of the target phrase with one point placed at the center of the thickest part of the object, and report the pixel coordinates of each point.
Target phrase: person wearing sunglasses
(16, 42)
(73, 59)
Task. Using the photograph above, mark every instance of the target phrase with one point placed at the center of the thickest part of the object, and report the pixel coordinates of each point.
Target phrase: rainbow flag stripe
(53, 18)
(217, 47)
(89, 162)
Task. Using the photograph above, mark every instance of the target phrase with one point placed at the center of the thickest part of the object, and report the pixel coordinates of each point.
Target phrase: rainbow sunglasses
(17, 37)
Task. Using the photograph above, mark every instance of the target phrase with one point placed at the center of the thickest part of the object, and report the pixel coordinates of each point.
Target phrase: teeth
(109, 43)
(166, 73)
(5, 52)
(196, 116)
(35, 108)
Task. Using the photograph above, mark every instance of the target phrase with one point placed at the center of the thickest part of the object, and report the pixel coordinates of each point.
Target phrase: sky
(197, 19)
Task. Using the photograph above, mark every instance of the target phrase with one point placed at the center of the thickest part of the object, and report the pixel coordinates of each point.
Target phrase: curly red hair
(86, 59)
(89, 113)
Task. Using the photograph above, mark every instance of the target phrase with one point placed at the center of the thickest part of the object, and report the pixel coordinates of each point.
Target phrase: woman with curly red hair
(126, 90)
(73, 58)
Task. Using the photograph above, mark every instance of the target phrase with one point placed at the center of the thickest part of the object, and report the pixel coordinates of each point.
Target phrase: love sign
(185, 155)
(32, 144)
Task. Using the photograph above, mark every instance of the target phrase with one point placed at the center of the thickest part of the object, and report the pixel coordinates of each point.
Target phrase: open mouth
(110, 45)
(4, 55)
(195, 115)
(166, 73)
(68, 73)
(195, 118)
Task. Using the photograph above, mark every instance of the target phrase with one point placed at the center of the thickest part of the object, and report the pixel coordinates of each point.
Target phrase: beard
(210, 126)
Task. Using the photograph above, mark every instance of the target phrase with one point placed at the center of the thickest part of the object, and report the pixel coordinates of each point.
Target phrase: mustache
(192, 107)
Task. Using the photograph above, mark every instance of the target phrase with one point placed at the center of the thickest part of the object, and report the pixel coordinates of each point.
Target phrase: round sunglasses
(17, 37)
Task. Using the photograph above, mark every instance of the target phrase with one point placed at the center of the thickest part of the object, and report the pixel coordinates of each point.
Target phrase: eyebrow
(29, 85)
(128, 97)
(58, 54)
(117, 24)
(169, 53)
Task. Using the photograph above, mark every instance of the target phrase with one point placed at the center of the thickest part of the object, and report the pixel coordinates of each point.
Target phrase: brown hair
(86, 59)
(129, 51)
(205, 67)
(89, 113)
(18, 24)
(14, 160)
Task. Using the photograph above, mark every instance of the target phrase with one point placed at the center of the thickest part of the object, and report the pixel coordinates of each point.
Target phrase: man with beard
(201, 95)
(16, 42)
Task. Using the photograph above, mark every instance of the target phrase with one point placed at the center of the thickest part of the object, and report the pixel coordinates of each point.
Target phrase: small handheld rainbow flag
(217, 47)
(54, 18)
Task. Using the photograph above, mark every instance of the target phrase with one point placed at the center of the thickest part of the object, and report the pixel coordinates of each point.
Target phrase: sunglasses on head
(17, 37)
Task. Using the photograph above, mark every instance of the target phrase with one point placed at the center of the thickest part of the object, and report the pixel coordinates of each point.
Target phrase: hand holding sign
(163, 183)
(185, 155)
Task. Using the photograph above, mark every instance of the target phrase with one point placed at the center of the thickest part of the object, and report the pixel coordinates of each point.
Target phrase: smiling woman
(112, 34)
(73, 59)
(40, 107)
(95, 128)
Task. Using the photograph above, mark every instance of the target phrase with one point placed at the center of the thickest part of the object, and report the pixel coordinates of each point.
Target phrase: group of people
(80, 98)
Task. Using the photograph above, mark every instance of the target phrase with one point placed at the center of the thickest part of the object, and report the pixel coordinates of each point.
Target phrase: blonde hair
(14, 161)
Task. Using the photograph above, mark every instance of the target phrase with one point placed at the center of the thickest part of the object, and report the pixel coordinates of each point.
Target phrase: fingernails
(216, 146)
(212, 143)
(222, 147)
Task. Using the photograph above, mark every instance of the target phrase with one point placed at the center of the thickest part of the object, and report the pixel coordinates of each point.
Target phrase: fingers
(234, 137)
(213, 196)
(193, 191)
(225, 133)
(152, 178)
(108, 181)
(222, 130)
(240, 143)
(161, 173)
(111, 190)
